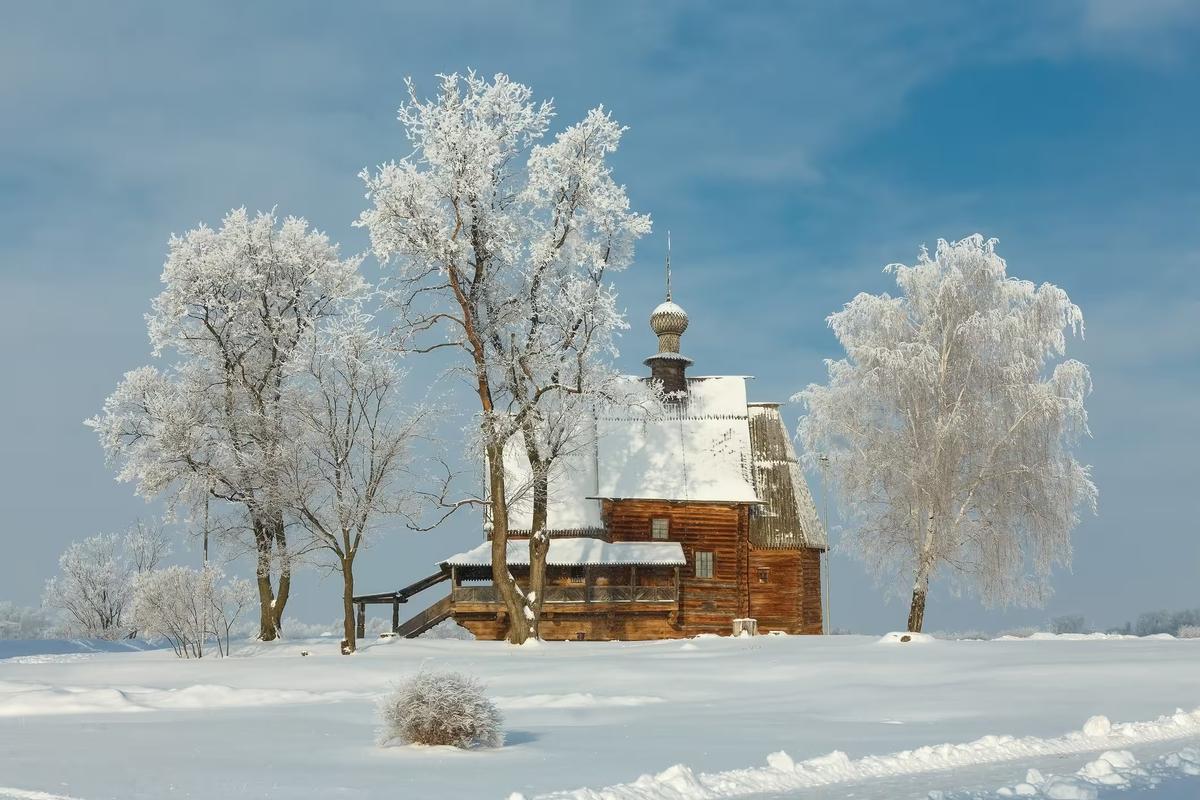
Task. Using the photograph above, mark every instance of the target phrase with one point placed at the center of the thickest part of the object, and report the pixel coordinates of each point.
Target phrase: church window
(659, 527)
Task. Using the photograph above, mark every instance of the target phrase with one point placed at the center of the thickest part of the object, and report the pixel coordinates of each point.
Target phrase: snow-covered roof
(572, 480)
(577, 552)
(678, 458)
(697, 450)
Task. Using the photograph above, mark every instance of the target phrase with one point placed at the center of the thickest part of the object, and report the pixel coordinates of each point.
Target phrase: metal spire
(668, 265)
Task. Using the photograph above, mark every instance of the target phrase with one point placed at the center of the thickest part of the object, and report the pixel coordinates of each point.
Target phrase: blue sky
(792, 150)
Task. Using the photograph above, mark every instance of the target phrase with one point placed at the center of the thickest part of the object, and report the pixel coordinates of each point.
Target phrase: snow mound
(24, 794)
(26, 700)
(784, 774)
(1113, 769)
(573, 700)
(906, 637)
(1042, 636)
(34, 699)
(203, 696)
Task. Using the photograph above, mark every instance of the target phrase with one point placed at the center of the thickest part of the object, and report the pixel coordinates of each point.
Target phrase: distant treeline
(1172, 622)
(1184, 624)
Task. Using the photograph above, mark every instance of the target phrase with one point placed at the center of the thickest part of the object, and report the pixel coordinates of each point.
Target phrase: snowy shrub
(441, 708)
(1154, 622)
(94, 586)
(190, 608)
(1020, 633)
(448, 629)
(1068, 624)
(967, 635)
(23, 622)
(293, 628)
(1188, 632)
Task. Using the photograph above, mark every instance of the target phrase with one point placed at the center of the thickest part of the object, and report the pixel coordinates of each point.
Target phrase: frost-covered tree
(354, 437)
(190, 607)
(237, 302)
(24, 622)
(500, 245)
(950, 426)
(95, 581)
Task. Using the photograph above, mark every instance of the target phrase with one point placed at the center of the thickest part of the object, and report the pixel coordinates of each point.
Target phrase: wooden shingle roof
(787, 517)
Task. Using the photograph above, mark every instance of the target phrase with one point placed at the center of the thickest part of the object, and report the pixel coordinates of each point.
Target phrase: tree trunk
(916, 611)
(266, 595)
(348, 629)
(506, 585)
(285, 574)
(539, 547)
(269, 543)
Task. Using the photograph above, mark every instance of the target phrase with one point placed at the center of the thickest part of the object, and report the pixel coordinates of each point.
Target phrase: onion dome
(669, 321)
(669, 318)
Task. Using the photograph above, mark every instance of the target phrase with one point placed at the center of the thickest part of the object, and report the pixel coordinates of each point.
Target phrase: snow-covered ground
(771, 716)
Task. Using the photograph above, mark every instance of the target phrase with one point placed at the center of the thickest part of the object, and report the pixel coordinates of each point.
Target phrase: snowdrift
(783, 774)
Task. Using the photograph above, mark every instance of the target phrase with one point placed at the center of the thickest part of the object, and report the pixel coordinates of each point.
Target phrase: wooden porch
(463, 596)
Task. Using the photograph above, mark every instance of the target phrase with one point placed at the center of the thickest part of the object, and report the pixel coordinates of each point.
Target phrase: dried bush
(1188, 632)
(441, 708)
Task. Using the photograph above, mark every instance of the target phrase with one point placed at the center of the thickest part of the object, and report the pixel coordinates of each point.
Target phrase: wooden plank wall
(790, 600)
(810, 597)
(709, 605)
(630, 626)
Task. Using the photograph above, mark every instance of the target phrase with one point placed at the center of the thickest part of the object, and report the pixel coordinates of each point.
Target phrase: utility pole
(823, 459)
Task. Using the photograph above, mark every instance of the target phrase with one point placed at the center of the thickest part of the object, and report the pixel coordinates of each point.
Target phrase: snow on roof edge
(577, 552)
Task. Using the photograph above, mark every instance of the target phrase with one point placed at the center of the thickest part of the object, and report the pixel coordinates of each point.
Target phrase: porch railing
(576, 594)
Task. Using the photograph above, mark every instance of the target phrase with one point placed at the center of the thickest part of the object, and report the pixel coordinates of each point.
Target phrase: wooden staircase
(415, 626)
(394, 599)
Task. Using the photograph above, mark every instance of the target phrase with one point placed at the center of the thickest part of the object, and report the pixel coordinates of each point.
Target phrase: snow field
(18, 699)
(269, 723)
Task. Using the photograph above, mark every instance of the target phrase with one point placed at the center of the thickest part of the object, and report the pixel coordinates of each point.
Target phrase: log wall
(708, 605)
(789, 600)
(593, 624)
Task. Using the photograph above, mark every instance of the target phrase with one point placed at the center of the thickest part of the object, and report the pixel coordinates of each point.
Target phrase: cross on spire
(668, 265)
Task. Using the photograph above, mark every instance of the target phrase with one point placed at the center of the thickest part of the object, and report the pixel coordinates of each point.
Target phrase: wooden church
(694, 520)
(670, 526)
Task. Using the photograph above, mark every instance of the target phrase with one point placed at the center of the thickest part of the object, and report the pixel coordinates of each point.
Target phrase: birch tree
(950, 426)
(355, 439)
(236, 303)
(499, 247)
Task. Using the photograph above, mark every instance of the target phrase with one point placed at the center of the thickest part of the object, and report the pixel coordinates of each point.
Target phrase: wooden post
(395, 614)
(673, 617)
(361, 631)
